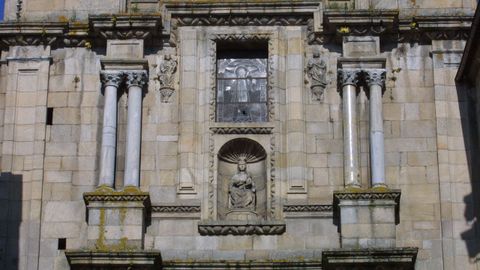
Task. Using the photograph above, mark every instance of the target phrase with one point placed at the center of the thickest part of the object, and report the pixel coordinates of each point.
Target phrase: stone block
(129, 48)
(358, 46)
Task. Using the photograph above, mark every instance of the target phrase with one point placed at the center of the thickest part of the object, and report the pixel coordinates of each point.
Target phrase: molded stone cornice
(31, 33)
(132, 259)
(265, 227)
(308, 208)
(136, 78)
(384, 258)
(176, 208)
(107, 194)
(367, 195)
(111, 78)
(125, 26)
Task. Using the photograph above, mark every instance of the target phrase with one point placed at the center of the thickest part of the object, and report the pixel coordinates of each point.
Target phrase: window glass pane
(242, 68)
(242, 90)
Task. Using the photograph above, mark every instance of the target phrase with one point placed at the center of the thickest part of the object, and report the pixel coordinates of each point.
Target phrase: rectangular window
(242, 69)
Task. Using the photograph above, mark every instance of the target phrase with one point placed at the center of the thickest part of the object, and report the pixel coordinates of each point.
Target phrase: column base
(370, 259)
(116, 219)
(367, 218)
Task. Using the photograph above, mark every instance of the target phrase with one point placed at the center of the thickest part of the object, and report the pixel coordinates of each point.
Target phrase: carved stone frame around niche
(261, 132)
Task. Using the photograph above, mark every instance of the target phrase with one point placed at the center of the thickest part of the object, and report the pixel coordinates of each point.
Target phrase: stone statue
(241, 190)
(317, 72)
(166, 77)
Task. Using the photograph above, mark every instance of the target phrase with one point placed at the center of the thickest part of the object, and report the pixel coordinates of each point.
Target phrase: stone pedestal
(116, 219)
(367, 218)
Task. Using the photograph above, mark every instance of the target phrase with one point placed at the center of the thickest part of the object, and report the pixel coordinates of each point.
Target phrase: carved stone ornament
(136, 78)
(242, 188)
(166, 78)
(111, 78)
(241, 227)
(348, 77)
(375, 77)
(308, 208)
(242, 130)
(317, 73)
(107, 194)
(176, 208)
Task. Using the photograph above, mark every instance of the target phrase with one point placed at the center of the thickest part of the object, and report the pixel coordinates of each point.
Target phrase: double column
(135, 80)
(348, 80)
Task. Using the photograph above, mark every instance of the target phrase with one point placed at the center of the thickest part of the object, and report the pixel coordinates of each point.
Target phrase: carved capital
(111, 78)
(136, 78)
(348, 77)
(375, 77)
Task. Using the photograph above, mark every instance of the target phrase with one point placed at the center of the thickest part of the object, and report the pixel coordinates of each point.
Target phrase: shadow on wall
(470, 117)
(10, 218)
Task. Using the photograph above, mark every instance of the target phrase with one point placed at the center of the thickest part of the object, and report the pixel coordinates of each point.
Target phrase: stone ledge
(366, 259)
(91, 260)
(106, 194)
(367, 194)
(217, 227)
(264, 265)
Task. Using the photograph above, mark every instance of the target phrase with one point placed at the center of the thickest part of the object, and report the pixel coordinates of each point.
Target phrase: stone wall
(48, 165)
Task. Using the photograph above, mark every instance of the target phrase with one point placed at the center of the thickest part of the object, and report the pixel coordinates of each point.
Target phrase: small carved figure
(242, 188)
(166, 77)
(317, 72)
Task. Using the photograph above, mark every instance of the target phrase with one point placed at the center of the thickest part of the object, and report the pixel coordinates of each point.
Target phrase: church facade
(313, 134)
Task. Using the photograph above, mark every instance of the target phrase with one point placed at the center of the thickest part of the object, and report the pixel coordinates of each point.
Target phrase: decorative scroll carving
(107, 194)
(176, 208)
(308, 208)
(375, 77)
(136, 78)
(166, 78)
(28, 40)
(241, 228)
(348, 76)
(211, 176)
(273, 202)
(317, 72)
(111, 78)
(241, 130)
(241, 19)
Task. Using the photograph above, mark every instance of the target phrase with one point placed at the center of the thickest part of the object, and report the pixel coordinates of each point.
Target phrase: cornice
(323, 26)
(106, 194)
(176, 208)
(367, 195)
(308, 208)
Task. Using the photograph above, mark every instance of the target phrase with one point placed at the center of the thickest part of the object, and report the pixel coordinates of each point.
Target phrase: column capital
(348, 76)
(375, 77)
(111, 78)
(136, 78)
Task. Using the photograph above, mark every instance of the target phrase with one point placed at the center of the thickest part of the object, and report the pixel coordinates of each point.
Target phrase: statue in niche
(242, 188)
(166, 78)
(242, 180)
(317, 72)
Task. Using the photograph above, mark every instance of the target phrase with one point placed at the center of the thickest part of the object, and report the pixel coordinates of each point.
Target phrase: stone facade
(350, 144)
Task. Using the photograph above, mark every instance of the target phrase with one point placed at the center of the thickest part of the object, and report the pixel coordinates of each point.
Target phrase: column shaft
(348, 81)
(111, 80)
(350, 137)
(135, 82)
(375, 82)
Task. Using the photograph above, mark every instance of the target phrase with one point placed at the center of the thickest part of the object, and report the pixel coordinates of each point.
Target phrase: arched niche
(242, 180)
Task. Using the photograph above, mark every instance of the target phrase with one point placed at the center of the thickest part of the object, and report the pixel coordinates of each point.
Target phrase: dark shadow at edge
(10, 220)
(470, 127)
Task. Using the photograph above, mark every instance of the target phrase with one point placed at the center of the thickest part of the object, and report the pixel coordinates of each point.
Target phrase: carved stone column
(348, 79)
(135, 81)
(375, 79)
(110, 81)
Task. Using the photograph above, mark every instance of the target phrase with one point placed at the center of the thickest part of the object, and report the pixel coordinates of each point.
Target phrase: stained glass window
(242, 89)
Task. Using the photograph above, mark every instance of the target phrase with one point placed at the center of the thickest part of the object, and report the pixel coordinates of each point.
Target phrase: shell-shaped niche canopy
(242, 148)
